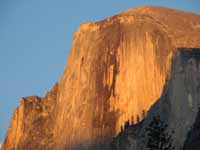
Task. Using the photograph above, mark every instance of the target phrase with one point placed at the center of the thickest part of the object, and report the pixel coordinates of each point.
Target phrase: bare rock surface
(178, 106)
(116, 69)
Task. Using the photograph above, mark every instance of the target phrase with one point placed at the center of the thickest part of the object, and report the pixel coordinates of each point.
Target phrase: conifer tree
(157, 137)
(143, 114)
(138, 119)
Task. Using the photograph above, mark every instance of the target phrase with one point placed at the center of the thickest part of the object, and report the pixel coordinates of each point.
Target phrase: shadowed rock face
(192, 141)
(178, 105)
(116, 69)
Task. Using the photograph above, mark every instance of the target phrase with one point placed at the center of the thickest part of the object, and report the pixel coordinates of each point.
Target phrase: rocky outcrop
(116, 69)
(32, 123)
(178, 105)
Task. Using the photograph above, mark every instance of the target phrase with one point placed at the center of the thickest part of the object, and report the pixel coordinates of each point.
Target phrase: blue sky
(35, 38)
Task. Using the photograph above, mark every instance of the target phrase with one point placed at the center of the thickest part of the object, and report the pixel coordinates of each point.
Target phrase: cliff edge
(116, 69)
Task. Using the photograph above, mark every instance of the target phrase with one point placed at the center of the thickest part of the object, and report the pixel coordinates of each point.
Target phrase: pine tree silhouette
(138, 119)
(127, 125)
(157, 136)
(132, 120)
(143, 114)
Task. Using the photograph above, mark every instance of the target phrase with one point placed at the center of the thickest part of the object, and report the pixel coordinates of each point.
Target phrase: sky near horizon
(36, 36)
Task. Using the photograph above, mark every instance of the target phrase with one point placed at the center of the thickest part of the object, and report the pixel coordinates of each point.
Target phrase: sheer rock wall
(116, 69)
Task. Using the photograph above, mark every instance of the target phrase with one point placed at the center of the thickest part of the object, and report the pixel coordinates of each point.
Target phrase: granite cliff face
(116, 69)
(32, 123)
(192, 140)
(178, 106)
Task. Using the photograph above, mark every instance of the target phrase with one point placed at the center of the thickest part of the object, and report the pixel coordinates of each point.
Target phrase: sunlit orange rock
(116, 69)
